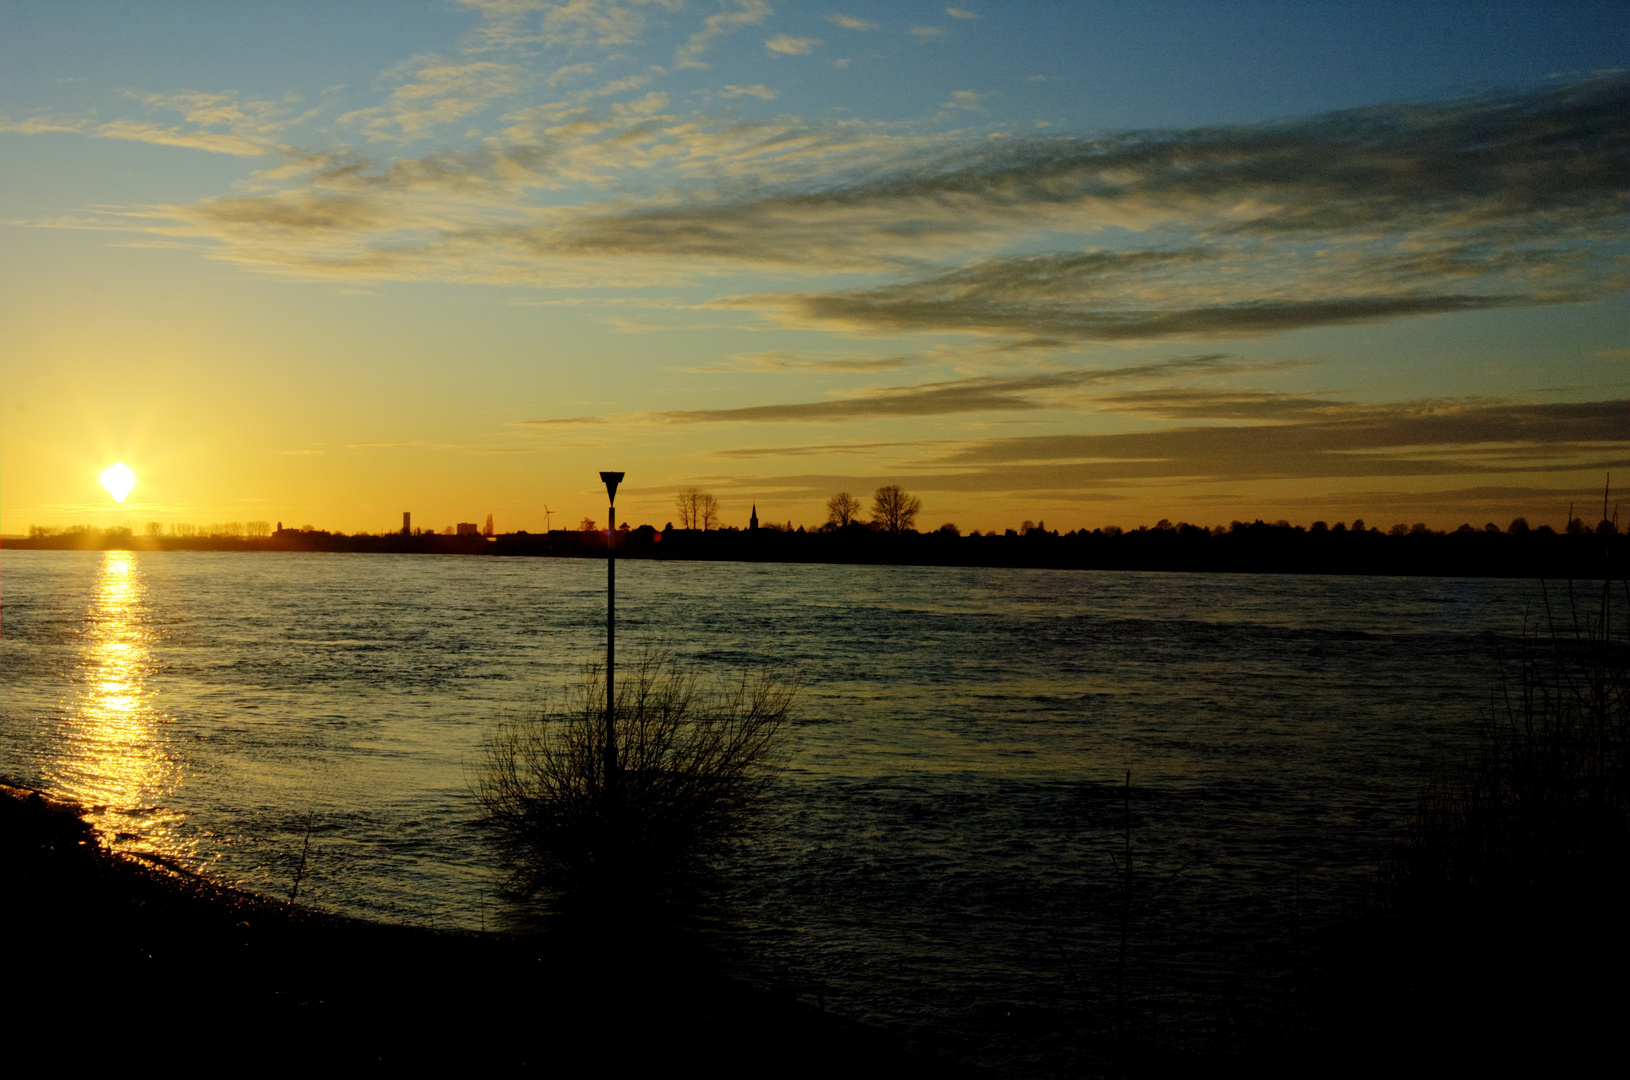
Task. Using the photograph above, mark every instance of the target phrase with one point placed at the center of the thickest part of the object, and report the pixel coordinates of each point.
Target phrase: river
(937, 857)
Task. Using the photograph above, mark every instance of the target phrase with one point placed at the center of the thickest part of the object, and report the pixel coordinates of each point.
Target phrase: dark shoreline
(115, 957)
(1257, 548)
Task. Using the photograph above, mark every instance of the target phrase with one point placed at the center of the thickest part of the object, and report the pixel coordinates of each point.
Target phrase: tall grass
(693, 763)
(1540, 814)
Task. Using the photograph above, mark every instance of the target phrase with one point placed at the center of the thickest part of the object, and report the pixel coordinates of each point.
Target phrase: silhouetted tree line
(1517, 551)
(1255, 547)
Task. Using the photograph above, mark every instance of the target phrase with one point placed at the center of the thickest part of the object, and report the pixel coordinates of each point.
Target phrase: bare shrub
(693, 763)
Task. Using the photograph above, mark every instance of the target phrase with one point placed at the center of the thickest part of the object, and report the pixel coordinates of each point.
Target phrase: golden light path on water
(110, 752)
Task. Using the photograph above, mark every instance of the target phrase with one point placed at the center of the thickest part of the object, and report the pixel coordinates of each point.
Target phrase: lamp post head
(612, 479)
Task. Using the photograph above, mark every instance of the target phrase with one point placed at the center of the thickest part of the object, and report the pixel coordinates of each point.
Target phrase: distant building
(407, 523)
(488, 530)
(468, 528)
(752, 522)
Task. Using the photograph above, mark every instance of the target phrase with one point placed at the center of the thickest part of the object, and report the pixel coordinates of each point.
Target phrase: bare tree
(894, 509)
(697, 509)
(842, 509)
(686, 502)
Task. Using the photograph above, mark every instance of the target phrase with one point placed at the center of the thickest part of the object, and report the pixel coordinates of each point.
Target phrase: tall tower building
(407, 523)
(752, 522)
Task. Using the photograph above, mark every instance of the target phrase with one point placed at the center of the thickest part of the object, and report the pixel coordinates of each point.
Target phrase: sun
(119, 481)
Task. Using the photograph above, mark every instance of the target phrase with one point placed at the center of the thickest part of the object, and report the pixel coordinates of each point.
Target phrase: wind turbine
(546, 513)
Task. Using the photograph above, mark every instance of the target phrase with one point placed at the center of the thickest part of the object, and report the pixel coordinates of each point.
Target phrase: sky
(1083, 263)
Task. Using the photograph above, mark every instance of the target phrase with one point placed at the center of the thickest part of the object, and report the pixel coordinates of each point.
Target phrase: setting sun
(119, 481)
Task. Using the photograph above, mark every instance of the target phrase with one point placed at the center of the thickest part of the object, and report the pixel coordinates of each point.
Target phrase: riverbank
(114, 957)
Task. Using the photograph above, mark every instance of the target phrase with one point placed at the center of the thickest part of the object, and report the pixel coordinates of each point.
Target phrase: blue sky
(1087, 263)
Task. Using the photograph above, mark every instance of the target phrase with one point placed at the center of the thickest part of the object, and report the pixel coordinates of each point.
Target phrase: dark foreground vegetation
(595, 810)
(112, 958)
(1497, 935)
(1581, 552)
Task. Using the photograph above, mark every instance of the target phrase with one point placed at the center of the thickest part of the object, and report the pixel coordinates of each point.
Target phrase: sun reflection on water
(110, 754)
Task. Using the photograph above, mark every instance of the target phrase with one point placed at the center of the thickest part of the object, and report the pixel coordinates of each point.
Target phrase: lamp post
(612, 479)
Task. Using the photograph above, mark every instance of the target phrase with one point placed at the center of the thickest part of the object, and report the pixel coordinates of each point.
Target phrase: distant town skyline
(1088, 263)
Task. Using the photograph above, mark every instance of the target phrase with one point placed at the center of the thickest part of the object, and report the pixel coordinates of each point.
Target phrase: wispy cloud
(961, 13)
(813, 450)
(218, 123)
(1333, 439)
(787, 45)
(747, 13)
(758, 90)
(42, 125)
(211, 142)
(1347, 446)
(849, 22)
(437, 94)
(1004, 393)
(1363, 215)
(776, 361)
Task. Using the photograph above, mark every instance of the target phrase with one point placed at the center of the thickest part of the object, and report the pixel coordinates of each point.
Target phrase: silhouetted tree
(586, 525)
(842, 509)
(697, 508)
(894, 509)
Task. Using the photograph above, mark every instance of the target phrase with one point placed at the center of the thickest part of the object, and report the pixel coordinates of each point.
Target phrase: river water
(940, 856)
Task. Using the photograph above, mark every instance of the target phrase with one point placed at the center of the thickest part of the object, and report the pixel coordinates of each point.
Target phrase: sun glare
(119, 481)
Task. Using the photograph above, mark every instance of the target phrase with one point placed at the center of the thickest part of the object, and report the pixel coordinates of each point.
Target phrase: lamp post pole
(612, 479)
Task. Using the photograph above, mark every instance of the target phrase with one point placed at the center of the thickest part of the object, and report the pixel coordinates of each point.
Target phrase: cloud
(572, 24)
(814, 450)
(758, 90)
(438, 94)
(849, 22)
(1006, 393)
(1328, 440)
(748, 13)
(964, 99)
(920, 307)
(218, 123)
(41, 125)
(792, 46)
(959, 13)
(1348, 447)
(1362, 215)
(784, 360)
(137, 131)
